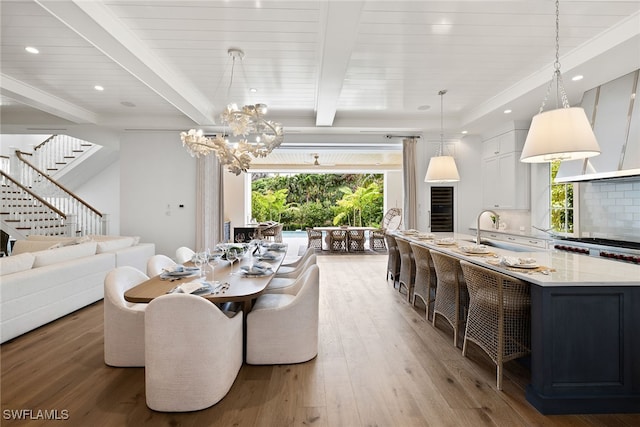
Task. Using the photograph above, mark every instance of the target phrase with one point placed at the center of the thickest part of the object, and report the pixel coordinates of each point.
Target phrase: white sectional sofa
(46, 279)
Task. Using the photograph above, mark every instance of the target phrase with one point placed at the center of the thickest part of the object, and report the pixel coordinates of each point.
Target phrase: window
(561, 208)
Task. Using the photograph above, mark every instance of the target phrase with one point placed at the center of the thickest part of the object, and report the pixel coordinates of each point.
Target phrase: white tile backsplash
(610, 209)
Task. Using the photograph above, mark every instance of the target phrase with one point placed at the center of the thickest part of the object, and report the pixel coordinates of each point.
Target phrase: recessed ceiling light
(578, 77)
(31, 49)
(507, 111)
(128, 104)
(253, 90)
(98, 87)
(464, 132)
(424, 107)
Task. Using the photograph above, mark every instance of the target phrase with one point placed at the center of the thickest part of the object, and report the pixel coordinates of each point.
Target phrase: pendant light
(563, 133)
(442, 168)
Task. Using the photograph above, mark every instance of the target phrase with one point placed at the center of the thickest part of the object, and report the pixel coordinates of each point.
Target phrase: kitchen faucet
(497, 222)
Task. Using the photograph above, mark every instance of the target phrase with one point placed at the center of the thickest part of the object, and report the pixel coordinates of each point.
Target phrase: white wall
(156, 176)
(103, 193)
(467, 192)
(11, 142)
(234, 197)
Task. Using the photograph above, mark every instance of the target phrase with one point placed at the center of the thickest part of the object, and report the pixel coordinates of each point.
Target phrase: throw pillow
(115, 244)
(64, 254)
(22, 246)
(16, 263)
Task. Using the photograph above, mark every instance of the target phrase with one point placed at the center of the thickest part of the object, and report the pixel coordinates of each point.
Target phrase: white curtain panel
(209, 202)
(409, 180)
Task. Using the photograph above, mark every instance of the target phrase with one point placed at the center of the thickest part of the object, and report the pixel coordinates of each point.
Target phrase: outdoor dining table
(326, 230)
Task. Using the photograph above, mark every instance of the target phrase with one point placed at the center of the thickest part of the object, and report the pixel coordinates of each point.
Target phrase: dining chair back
(123, 321)
(283, 328)
(184, 254)
(157, 263)
(499, 319)
(452, 296)
(282, 283)
(338, 240)
(314, 239)
(355, 240)
(193, 353)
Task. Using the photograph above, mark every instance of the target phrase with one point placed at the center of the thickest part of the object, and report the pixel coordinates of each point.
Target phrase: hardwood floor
(380, 364)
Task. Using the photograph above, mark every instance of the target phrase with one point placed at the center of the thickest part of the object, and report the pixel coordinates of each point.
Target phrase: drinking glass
(232, 256)
(198, 261)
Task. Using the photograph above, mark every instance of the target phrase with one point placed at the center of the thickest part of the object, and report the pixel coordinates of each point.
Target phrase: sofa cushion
(64, 254)
(16, 263)
(114, 244)
(63, 240)
(22, 246)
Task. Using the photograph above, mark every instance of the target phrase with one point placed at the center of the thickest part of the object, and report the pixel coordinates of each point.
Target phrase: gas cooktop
(604, 242)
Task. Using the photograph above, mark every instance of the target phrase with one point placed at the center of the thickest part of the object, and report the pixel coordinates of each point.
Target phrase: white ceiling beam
(96, 24)
(340, 34)
(624, 31)
(44, 101)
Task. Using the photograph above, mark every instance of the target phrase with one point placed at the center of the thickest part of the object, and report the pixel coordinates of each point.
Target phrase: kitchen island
(585, 327)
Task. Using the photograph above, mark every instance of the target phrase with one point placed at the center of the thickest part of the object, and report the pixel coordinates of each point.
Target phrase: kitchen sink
(506, 246)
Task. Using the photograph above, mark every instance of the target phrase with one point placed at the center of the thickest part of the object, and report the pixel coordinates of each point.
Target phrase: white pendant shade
(561, 134)
(442, 169)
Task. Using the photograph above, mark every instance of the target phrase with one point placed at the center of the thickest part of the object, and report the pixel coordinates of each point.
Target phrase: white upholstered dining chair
(283, 328)
(157, 263)
(184, 254)
(123, 321)
(193, 353)
(283, 281)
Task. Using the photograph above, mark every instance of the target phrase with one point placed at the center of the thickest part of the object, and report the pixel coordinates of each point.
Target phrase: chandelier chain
(557, 75)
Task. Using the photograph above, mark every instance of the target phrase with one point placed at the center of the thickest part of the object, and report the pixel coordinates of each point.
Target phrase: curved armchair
(157, 263)
(123, 321)
(288, 267)
(193, 353)
(391, 221)
(355, 240)
(283, 328)
(184, 254)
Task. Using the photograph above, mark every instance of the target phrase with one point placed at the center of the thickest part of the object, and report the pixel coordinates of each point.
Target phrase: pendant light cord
(561, 94)
(441, 93)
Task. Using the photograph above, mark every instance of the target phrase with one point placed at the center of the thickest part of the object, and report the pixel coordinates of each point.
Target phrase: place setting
(178, 272)
(523, 265)
(476, 250)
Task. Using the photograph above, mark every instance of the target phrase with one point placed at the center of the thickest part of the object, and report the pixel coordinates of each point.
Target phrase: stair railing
(88, 219)
(22, 209)
(57, 151)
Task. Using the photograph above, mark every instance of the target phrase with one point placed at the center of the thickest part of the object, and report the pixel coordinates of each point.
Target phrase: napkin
(515, 261)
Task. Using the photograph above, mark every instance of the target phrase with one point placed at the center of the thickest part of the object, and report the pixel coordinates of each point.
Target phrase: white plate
(474, 250)
(523, 265)
(186, 272)
(445, 242)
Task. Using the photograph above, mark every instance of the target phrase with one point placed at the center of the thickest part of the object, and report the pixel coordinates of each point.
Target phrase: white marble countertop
(564, 268)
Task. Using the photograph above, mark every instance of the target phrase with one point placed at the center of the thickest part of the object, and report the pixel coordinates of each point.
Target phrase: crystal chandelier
(442, 168)
(563, 133)
(244, 122)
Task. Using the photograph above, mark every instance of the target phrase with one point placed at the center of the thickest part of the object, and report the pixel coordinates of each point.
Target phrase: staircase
(33, 202)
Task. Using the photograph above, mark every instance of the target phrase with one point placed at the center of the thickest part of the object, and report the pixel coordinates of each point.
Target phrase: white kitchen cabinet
(516, 239)
(505, 180)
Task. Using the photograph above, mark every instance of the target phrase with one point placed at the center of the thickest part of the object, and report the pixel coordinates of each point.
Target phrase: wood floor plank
(379, 363)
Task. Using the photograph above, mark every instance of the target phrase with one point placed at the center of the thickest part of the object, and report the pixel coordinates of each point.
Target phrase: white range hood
(615, 117)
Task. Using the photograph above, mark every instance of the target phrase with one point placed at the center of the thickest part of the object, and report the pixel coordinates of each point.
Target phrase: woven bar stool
(407, 267)
(452, 295)
(426, 280)
(393, 261)
(499, 319)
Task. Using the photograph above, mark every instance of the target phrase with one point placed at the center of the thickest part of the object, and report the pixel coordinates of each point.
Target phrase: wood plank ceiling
(341, 71)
